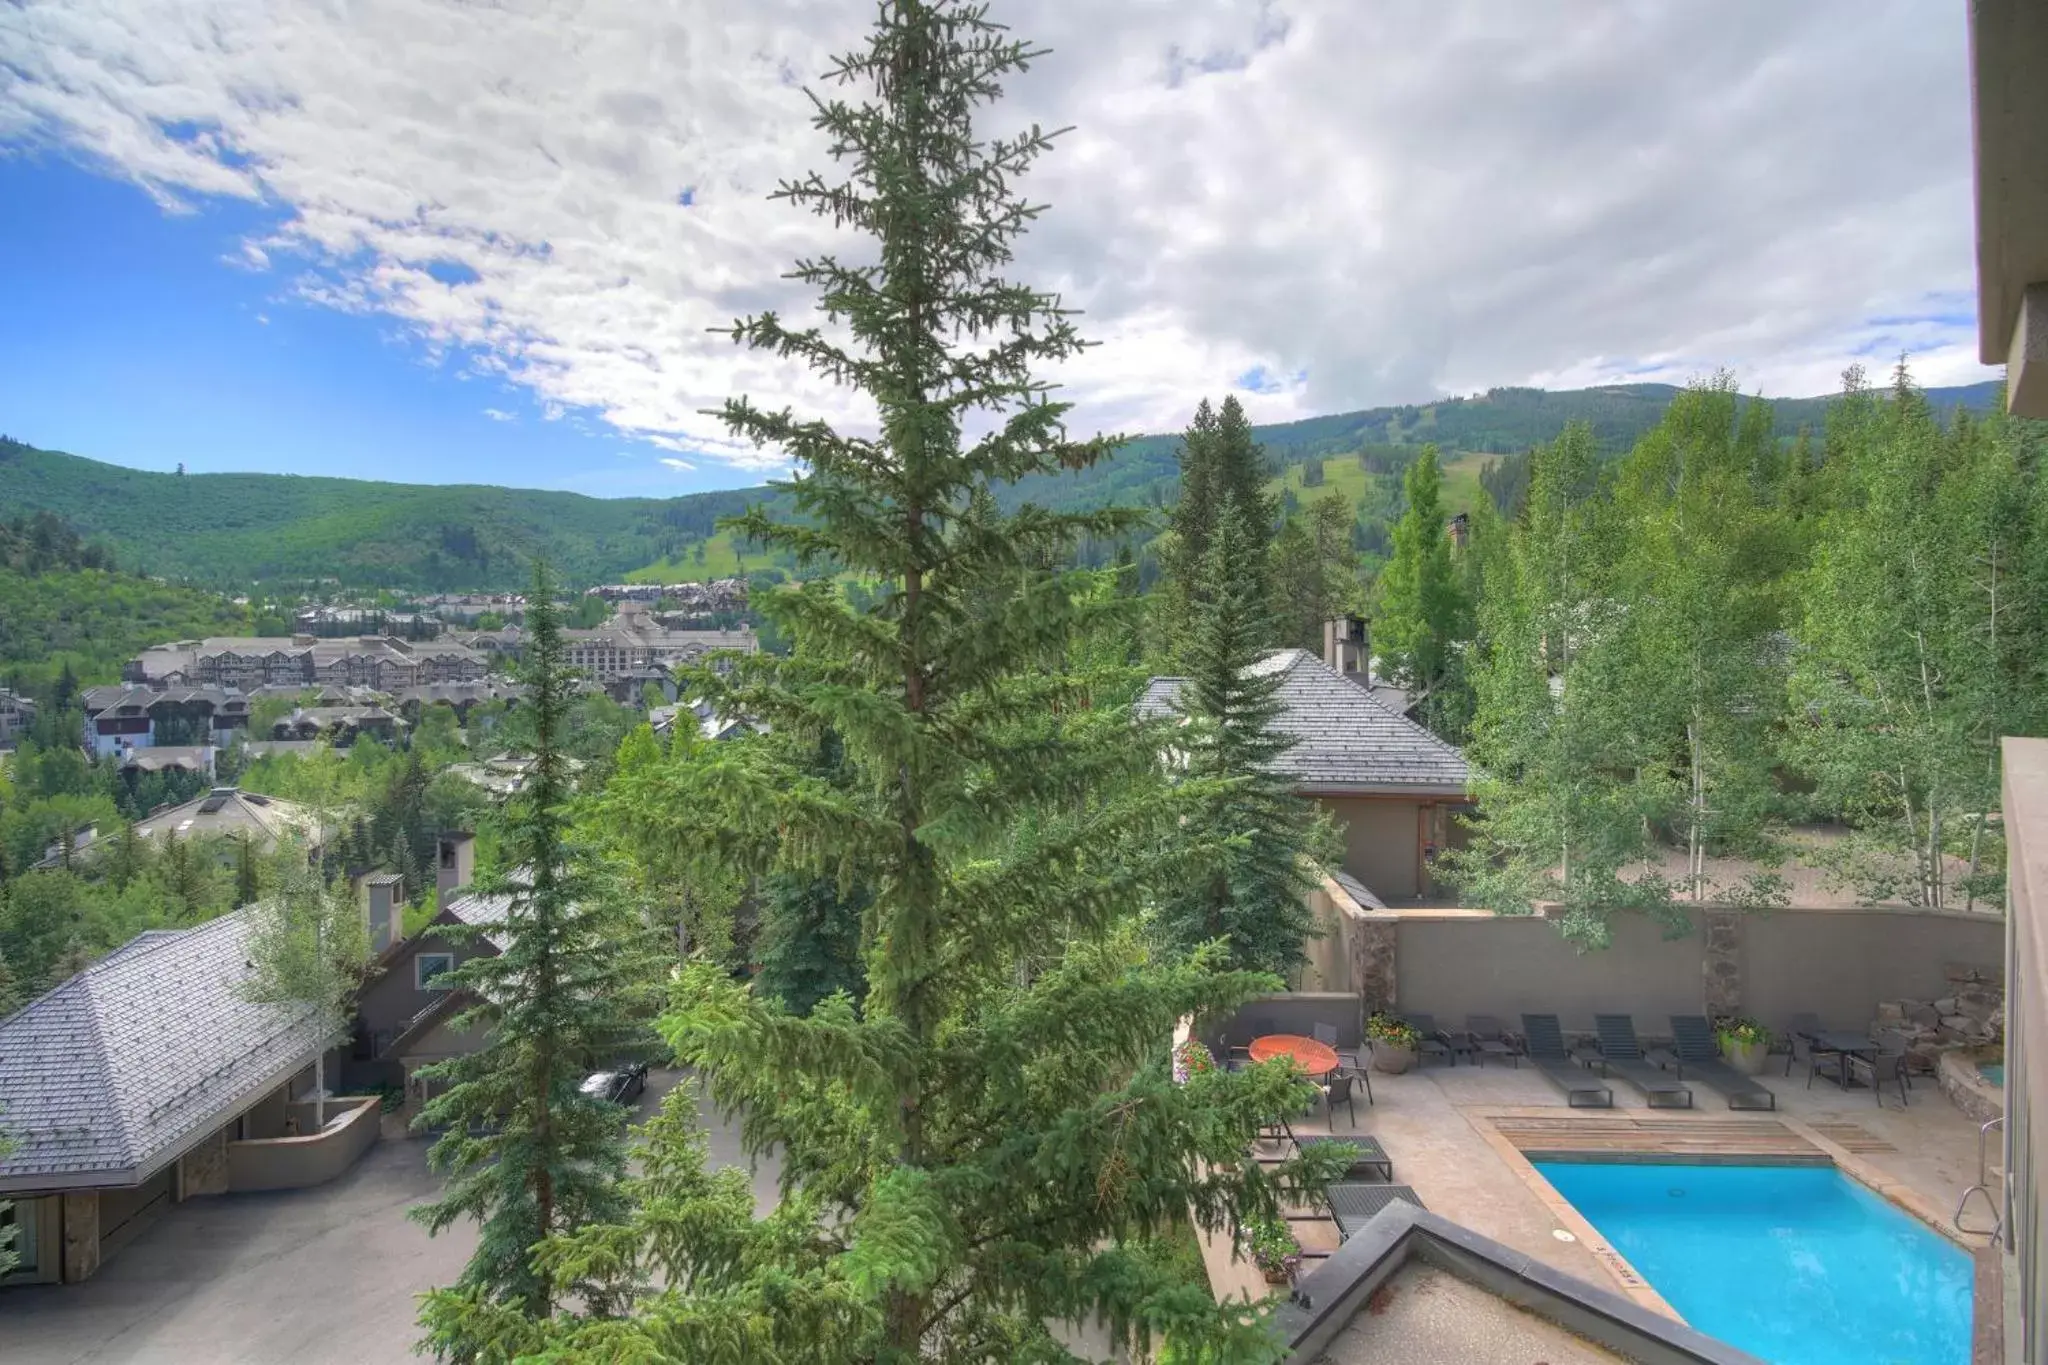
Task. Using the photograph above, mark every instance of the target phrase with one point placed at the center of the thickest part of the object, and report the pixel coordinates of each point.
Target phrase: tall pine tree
(527, 1154)
(1261, 839)
(1222, 468)
(971, 1157)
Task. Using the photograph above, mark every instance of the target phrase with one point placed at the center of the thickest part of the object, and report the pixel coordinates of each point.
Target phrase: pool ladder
(1983, 1187)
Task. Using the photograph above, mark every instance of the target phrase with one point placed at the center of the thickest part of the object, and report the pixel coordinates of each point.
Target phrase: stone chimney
(454, 865)
(302, 638)
(1459, 528)
(383, 901)
(1345, 645)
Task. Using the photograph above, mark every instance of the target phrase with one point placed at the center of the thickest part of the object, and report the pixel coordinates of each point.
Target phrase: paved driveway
(325, 1276)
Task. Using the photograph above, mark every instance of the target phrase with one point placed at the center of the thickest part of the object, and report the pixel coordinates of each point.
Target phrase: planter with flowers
(1273, 1249)
(1744, 1042)
(1192, 1058)
(1393, 1043)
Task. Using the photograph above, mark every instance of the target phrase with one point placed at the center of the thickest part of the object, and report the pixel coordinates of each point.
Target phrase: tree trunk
(320, 1090)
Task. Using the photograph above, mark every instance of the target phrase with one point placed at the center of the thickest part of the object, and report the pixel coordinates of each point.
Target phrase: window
(428, 968)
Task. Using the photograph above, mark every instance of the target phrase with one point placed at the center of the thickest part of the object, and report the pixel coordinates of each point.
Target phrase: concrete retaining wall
(290, 1163)
(1835, 963)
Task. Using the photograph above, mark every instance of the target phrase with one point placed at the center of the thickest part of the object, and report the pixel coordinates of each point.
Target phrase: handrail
(1983, 1187)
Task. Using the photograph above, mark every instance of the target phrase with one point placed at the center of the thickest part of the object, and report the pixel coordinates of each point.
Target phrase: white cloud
(1343, 204)
(500, 415)
(680, 466)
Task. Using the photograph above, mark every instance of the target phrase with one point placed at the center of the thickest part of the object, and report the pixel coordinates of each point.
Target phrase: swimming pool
(1993, 1072)
(1798, 1265)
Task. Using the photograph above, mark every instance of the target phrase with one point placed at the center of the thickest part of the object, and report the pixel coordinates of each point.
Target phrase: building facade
(382, 662)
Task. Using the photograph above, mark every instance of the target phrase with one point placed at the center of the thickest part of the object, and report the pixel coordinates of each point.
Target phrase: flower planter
(1747, 1058)
(1392, 1060)
(1276, 1274)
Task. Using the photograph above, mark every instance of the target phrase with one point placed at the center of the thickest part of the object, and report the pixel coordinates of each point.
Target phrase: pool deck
(1459, 1136)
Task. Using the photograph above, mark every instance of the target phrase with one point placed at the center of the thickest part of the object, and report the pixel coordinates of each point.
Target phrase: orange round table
(1317, 1059)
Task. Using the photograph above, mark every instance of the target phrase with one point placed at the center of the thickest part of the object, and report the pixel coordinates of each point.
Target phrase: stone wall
(1971, 1015)
(81, 1235)
(204, 1169)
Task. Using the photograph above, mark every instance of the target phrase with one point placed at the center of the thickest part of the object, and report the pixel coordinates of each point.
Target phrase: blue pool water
(1993, 1072)
(1798, 1265)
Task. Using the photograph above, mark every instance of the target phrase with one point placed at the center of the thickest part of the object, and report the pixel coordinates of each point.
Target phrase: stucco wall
(1380, 842)
(1837, 964)
(391, 1001)
(290, 1163)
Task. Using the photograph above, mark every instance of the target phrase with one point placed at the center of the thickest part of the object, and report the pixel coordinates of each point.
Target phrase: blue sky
(479, 244)
(131, 339)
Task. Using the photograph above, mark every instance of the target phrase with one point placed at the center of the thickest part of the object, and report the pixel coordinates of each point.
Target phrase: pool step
(1852, 1137)
(1703, 1137)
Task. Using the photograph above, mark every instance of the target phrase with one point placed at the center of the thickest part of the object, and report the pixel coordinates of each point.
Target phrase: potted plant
(1273, 1249)
(1393, 1043)
(1744, 1042)
(1192, 1058)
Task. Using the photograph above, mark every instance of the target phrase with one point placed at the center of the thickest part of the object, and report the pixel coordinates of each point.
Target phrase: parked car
(622, 1084)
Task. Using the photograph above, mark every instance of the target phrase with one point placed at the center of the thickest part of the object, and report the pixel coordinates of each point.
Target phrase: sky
(487, 243)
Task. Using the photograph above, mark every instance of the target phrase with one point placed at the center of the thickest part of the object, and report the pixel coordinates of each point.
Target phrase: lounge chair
(1434, 1043)
(1624, 1057)
(1700, 1060)
(1546, 1050)
(1353, 1206)
(1485, 1036)
(1369, 1160)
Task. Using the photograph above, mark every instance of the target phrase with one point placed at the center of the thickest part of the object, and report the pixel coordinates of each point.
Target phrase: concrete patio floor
(1438, 1126)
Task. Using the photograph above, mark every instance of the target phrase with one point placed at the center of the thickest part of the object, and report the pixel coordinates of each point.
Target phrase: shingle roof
(1345, 741)
(229, 810)
(120, 1069)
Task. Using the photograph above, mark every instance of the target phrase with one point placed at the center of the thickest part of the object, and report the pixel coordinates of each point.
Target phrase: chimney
(1344, 645)
(455, 867)
(301, 638)
(383, 900)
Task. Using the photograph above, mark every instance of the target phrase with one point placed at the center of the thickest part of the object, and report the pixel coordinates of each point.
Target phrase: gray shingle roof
(1345, 741)
(122, 1068)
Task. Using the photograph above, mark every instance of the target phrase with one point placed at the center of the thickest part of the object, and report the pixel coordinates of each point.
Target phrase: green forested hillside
(231, 529)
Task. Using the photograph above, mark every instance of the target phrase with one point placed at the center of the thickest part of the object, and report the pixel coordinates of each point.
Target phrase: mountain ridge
(230, 529)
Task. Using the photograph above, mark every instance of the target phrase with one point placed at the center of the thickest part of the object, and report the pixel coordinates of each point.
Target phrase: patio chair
(1544, 1041)
(1336, 1091)
(1801, 1032)
(1888, 1064)
(1326, 1034)
(1485, 1036)
(1352, 1206)
(1699, 1059)
(1623, 1054)
(1434, 1042)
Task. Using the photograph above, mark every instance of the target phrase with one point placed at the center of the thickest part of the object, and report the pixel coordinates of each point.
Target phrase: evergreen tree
(1261, 838)
(1221, 467)
(9, 1257)
(527, 1154)
(970, 1157)
(810, 926)
(1423, 617)
(248, 886)
(1315, 572)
